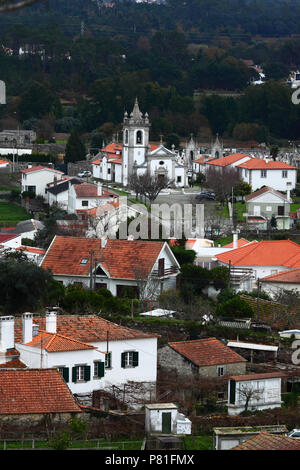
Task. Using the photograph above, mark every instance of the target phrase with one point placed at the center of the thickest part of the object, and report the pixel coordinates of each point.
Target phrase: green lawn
(204, 442)
(294, 207)
(11, 214)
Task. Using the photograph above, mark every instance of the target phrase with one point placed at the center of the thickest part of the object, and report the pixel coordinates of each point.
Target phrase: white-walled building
(254, 392)
(91, 353)
(36, 179)
(284, 280)
(58, 191)
(275, 174)
(147, 266)
(164, 418)
(85, 196)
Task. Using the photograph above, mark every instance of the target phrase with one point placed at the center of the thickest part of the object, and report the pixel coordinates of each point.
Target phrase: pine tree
(75, 149)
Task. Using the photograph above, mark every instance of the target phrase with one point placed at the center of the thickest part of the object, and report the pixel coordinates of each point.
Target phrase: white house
(91, 353)
(266, 203)
(254, 392)
(84, 196)
(147, 266)
(232, 160)
(10, 240)
(164, 418)
(275, 174)
(35, 179)
(284, 280)
(58, 191)
(258, 260)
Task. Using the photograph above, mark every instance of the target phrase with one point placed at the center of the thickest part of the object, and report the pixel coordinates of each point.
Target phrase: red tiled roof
(39, 168)
(90, 190)
(52, 342)
(229, 159)
(266, 375)
(290, 276)
(32, 249)
(122, 259)
(264, 253)
(261, 164)
(265, 441)
(241, 242)
(206, 352)
(6, 237)
(86, 328)
(262, 191)
(34, 391)
(14, 364)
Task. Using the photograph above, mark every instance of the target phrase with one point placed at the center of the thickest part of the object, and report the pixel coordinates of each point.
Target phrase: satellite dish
(2, 92)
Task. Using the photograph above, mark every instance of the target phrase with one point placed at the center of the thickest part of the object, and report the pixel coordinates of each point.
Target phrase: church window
(139, 137)
(192, 155)
(161, 162)
(178, 179)
(126, 136)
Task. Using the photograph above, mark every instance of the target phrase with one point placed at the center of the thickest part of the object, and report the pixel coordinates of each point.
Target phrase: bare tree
(148, 185)
(148, 283)
(221, 181)
(247, 393)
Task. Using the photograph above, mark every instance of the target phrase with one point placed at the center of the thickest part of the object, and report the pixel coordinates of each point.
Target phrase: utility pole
(257, 305)
(91, 268)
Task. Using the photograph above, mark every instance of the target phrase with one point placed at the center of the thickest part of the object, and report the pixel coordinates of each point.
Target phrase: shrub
(234, 308)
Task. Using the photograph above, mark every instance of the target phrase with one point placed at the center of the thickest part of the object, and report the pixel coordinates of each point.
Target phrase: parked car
(294, 433)
(206, 195)
(83, 174)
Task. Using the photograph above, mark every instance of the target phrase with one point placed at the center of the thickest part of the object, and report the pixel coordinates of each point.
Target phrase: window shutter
(135, 359)
(108, 360)
(74, 374)
(65, 374)
(123, 360)
(87, 373)
(100, 369)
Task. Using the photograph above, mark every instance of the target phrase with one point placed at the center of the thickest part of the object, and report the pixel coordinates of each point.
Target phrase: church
(116, 162)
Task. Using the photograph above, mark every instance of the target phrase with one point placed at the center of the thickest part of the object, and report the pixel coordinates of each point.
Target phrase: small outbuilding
(164, 418)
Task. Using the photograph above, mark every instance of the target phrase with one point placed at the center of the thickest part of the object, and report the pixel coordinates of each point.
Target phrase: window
(84, 261)
(64, 371)
(221, 395)
(220, 371)
(108, 171)
(139, 137)
(98, 369)
(263, 173)
(108, 360)
(126, 136)
(178, 179)
(129, 359)
(81, 373)
(284, 173)
(84, 203)
(161, 267)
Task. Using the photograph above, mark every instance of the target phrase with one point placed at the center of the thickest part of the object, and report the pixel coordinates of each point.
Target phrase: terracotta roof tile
(261, 164)
(241, 242)
(24, 391)
(122, 259)
(86, 328)
(52, 342)
(264, 253)
(90, 190)
(39, 168)
(291, 276)
(229, 159)
(265, 441)
(13, 364)
(262, 191)
(265, 375)
(206, 352)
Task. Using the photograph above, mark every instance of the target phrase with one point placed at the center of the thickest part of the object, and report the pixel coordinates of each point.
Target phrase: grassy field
(11, 214)
(204, 442)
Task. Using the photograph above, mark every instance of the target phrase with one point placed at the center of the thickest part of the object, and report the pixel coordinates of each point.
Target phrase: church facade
(117, 162)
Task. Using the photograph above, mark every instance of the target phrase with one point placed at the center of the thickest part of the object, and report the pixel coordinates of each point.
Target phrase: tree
(235, 308)
(38, 100)
(247, 393)
(221, 181)
(75, 149)
(172, 139)
(242, 189)
(149, 186)
(23, 284)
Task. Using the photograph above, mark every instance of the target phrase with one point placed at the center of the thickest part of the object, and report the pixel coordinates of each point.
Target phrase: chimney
(99, 189)
(103, 242)
(130, 238)
(288, 195)
(7, 333)
(26, 327)
(51, 322)
(235, 240)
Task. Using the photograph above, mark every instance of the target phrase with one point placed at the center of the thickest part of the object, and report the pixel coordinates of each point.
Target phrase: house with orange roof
(258, 260)
(147, 266)
(58, 191)
(284, 280)
(85, 196)
(35, 179)
(269, 441)
(260, 172)
(207, 357)
(90, 353)
(266, 203)
(232, 160)
(34, 393)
